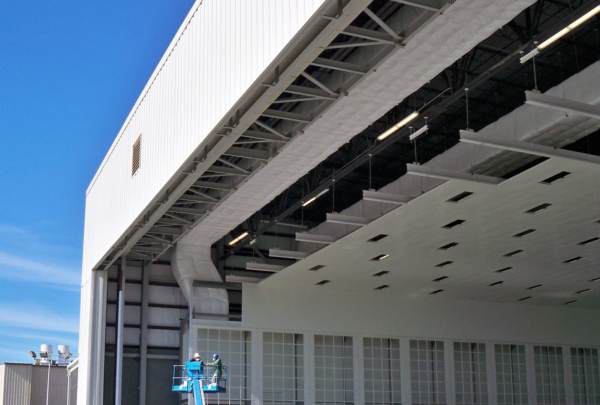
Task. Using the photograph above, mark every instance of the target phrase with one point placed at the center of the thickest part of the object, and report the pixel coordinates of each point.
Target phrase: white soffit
(462, 26)
(492, 215)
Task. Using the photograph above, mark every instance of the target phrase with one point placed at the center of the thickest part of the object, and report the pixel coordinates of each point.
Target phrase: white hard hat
(196, 355)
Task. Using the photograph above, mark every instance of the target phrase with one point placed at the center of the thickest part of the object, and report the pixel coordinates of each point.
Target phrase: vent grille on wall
(137, 151)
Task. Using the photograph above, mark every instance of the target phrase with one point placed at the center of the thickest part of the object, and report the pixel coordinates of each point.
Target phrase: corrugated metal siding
(220, 51)
(25, 384)
(58, 385)
(2, 368)
(16, 384)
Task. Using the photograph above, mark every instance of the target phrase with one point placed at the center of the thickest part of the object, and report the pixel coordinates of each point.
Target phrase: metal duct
(193, 262)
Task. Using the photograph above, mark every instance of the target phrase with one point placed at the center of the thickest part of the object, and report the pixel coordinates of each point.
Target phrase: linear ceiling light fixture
(561, 33)
(304, 204)
(239, 238)
(399, 125)
(380, 257)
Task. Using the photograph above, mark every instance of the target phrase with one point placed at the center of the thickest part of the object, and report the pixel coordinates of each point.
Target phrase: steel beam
(528, 148)
(226, 170)
(347, 220)
(385, 197)
(561, 104)
(431, 5)
(183, 210)
(265, 136)
(271, 268)
(376, 36)
(213, 185)
(310, 92)
(248, 153)
(312, 238)
(286, 115)
(287, 254)
(424, 171)
(119, 328)
(144, 333)
(383, 25)
(196, 199)
(216, 284)
(165, 231)
(337, 65)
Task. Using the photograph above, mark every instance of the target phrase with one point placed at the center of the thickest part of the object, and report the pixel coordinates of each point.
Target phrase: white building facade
(385, 299)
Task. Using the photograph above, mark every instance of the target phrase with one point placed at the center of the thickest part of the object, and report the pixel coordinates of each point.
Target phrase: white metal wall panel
(57, 395)
(16, 383)
(214, 59)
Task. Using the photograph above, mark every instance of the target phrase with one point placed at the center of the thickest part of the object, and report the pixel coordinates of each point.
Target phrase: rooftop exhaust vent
(317, 267)
(377, 238)
(524, 233)
(460, 197)
(514, 253)
(381, 273)
(454, 223)
(587, 242)
(539, 208)
(555, 178)
(322, 282)
(448, 246)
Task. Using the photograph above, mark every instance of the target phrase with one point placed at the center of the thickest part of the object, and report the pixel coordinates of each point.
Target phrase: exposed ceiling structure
(497, 84)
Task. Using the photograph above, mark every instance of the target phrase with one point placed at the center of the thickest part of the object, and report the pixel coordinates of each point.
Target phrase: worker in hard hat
(216, 363)
(197, 359)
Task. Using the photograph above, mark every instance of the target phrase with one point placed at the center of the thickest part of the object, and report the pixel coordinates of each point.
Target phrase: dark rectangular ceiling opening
(495, 283)
(514, 253)
(381, 273)
(444, 264)
(448, 246)
(382, 287)
(524, 233)
(573, 260)
(539, 208)
(454, 223)
(380, 257)
(377, 238)
(436, 292)
(322, 282)
(317, 267)
(460, 197)
(587, 242)
(503, 270)
(555, 178)
(440, 278)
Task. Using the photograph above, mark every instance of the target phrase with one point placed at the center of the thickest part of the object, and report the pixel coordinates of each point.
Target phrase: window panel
(334, 377)
(428, 372)
(470, 373)
(586, 377)
(283, 371)
(382, 371)
(511, 377)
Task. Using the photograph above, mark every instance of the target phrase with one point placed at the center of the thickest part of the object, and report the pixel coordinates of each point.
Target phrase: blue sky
(70, 71)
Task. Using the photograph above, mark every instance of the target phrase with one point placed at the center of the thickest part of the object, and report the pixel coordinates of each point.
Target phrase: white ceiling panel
(492, 215)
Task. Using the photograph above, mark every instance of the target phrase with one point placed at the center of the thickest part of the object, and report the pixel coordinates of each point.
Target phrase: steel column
(144, 332)
(119, 347)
